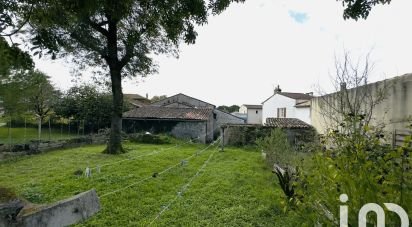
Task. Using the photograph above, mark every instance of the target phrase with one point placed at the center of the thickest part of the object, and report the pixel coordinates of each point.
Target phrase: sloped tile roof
(252, 106)
(305, 103)
(168, 113)
(286, 123)
(296, 95)
(292, 95)
(180, 94)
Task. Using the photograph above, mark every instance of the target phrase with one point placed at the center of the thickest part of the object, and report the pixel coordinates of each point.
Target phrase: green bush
(149, 139)
(277, 148)
(359, 163)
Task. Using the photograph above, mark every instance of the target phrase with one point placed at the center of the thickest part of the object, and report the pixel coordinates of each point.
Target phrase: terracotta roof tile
(296, 95)
(252, 106)
(169, 113)
(286, 123)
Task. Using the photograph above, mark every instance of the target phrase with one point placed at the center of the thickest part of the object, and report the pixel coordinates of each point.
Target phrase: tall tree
(120, 36)
(355, 9)
(13, 60)
(86, 103)
(14, 63)
(40, 96)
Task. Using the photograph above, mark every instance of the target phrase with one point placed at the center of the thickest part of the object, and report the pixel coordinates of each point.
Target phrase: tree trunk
(39, 128)
(114, 146)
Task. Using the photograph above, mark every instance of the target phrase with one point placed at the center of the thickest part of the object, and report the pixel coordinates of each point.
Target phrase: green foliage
(235, 188)
(88, 104)
(117, 38)
(358, 164)
(277, 148)
(21, 135)
(229, 109)
(29, 92)
(12, 59)
(157, 98)
(356, 9)
(149, 139)
(241, 136)
(33, 194)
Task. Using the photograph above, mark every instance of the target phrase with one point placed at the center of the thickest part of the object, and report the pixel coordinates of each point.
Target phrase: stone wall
(395, 111)
(179, 129)
(36, 147)
(63, 213)
(223, 118)
(191, 130)
(247, 134)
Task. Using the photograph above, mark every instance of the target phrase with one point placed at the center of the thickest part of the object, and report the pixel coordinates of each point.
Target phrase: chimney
(277, 90)
(147, 96)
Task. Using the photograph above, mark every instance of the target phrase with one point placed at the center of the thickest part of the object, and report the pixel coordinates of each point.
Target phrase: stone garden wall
(35, 147)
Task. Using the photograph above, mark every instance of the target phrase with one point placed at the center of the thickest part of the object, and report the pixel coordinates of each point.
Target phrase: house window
(214, 116)
(257, 111)
(281, 113)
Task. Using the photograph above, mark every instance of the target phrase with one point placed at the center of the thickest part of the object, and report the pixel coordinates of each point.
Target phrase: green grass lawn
(234, 189)
(21, 135)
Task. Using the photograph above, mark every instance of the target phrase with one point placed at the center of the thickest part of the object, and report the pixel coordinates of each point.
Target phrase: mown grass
(234, 189)
(22, 135)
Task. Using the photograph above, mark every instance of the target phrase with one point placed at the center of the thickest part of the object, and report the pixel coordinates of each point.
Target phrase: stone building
(180, 115)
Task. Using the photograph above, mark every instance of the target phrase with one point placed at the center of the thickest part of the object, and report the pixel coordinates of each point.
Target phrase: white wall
(279, 101)
(303, 113)
(253, 117)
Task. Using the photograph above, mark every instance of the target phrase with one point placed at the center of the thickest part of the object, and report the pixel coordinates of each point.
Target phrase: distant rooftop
(251, 106)
(286, 123)
(292, 95)
(168, 113)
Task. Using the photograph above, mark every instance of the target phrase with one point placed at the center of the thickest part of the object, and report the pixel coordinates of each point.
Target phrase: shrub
(149, 139)
(277, 148)
(356, 162)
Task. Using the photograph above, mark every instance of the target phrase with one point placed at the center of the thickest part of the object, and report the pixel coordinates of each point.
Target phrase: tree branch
(128, 55)
(98, 27)
(21, 25)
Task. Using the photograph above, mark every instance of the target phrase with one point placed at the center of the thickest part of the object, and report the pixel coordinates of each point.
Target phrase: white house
(253, 113)
(287, 105)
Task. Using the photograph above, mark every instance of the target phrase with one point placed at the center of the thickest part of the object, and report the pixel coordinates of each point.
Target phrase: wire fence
(197, 153)
(24, 130)
(182, 190)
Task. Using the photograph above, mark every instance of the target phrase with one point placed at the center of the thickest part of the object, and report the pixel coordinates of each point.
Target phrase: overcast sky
(240, 55)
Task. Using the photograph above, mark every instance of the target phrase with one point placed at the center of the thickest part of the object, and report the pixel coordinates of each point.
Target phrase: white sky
(242, 54)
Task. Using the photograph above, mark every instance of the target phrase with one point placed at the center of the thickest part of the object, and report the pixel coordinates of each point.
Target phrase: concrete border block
(63, 213)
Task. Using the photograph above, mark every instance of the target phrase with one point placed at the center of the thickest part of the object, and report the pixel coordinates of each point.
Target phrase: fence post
(223, 139)
(78, 128)
(68, 133)
(49, 130)
(394, 138)
(10, 134)
(25, 130)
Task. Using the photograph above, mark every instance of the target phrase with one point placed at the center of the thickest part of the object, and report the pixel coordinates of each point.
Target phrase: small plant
(7, 195)
(33, 194)
(78, 173)
(277, 148)
(149, 139)
(356, 161)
